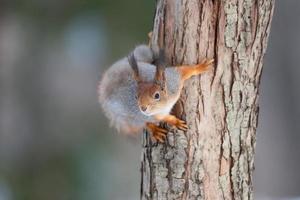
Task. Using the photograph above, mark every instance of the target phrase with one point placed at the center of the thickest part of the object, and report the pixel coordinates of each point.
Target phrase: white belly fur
(168, 108)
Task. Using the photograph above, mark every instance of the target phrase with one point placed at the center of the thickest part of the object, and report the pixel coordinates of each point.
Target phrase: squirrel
(139, 91)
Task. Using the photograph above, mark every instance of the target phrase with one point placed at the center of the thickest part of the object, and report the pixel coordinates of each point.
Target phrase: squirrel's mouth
(150, 113)
(144, 110)
(146, 113)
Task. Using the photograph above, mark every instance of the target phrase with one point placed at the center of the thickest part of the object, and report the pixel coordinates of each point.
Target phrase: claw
(208, 62)
(159, 138)
(180, 124)
(158, 134)
(205, 61)
(173, 120)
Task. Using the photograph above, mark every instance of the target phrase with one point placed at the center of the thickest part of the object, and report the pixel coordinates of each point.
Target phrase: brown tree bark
(214, 159)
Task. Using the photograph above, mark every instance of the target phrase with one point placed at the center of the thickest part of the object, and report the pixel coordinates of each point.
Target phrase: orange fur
(172, 120)
(159, 134)
(187, 71)
(146, 92)
(149, 101)
(130, 130)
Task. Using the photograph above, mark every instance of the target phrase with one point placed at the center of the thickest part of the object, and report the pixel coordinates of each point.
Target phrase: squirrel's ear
(134, 67)
(160, 69)
(159, 57)
(160, 77)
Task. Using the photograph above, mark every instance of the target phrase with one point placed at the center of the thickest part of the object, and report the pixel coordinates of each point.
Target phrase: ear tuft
(159, 58)
(160, 64)
(134, 66)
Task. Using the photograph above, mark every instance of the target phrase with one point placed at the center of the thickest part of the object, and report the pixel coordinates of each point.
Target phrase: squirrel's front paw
(205, 65)
(174, 121)
(180, 124)
(158, 134)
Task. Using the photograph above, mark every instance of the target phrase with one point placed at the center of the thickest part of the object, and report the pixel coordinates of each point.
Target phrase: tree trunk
(214, 159)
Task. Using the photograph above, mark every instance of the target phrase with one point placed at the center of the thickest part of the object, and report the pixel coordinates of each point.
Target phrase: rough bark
(214, 159)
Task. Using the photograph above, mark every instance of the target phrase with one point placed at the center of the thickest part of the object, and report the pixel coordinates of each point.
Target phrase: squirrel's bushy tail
(143, 53)
(114, 96)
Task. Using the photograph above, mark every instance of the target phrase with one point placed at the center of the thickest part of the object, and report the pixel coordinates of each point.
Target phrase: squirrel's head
(152, 97)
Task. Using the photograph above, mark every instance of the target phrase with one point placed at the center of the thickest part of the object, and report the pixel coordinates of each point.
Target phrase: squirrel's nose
(143, 108)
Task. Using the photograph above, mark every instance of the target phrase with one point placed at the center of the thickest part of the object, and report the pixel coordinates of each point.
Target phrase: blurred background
(54, 140)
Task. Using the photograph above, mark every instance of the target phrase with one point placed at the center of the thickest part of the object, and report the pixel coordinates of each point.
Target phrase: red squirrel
(139, 91)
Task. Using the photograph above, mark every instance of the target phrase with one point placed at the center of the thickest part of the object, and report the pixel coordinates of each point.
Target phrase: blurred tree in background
(54, 143)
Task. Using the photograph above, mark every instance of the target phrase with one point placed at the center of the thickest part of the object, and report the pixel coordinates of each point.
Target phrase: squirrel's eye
(156, 96)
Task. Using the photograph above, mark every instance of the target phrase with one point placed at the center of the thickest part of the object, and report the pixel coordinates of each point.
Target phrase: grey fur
(118, 89)
(143, 53)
